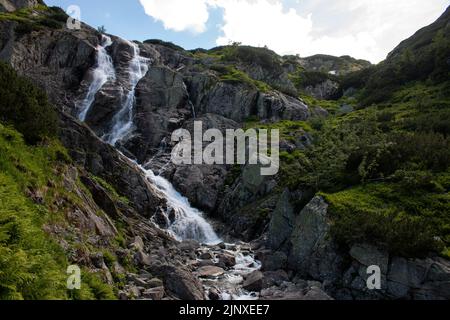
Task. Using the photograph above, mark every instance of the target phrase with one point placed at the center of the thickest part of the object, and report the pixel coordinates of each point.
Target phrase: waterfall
(123, 120)
(103, 72)
(188, 222)
(185, 221)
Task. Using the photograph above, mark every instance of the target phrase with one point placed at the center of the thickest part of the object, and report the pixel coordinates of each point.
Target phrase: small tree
(101, 29)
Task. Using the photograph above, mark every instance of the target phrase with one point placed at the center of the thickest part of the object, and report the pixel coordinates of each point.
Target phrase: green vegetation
(423, 57)
(25, 106)
(111, 190)
(32, 264)
(233, 75)
(43, 17)
(384, 170)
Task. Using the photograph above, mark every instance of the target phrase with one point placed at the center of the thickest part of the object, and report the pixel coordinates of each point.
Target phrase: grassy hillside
(33, 197)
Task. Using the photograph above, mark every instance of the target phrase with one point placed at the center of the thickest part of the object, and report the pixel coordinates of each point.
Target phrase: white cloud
(364, 29)
(179, 15)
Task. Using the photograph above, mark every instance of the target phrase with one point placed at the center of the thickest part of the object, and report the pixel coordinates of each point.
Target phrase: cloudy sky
(366, 29)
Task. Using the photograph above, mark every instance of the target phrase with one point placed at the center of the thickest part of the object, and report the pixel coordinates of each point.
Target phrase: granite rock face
(309, 250)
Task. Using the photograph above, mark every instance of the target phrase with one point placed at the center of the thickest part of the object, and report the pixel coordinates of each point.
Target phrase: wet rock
(206, 256)
(104, 161)
(204, 263)
(254, 281)
(210, 272)
(226, 260)
(214, 294)
(287, 291)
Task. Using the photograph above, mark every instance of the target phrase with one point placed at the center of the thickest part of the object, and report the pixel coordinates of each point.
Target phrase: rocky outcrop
(281, 223)
(56, 60)
(276, 106)
(246, 204)
(326, 90)
(161, 107)
(313, 253)
(335, 65)
(102, 160)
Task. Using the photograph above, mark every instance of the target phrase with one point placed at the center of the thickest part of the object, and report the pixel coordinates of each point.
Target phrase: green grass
(36, 18)
(232, 75)
(32, 265)
(405, 222)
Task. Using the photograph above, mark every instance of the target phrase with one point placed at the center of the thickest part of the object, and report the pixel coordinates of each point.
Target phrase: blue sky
(365, 29)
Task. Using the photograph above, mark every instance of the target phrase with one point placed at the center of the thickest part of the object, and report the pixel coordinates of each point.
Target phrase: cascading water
(123, 120)
(188, 222)
(103, 72)
(184, 221)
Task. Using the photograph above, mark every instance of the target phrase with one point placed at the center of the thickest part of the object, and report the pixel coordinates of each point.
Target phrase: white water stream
(123, 120)
(184, 221)
(188, 222)
(103, 72)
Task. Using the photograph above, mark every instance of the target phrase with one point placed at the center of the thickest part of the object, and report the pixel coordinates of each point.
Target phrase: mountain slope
(424, 56)
(357, 186)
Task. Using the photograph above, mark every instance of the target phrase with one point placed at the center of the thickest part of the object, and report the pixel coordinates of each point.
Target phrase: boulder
(281, 223)
(214, 294)
(274, 278)
(226, 260)
(254, 281)
(143, 259)
(313, 252)
(210, 272)
(182, 283)
(206, 256)
(137, 244)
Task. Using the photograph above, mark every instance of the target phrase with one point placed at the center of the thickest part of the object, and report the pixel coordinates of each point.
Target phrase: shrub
(25, 106)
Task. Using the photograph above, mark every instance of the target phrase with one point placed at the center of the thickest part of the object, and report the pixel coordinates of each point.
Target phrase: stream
(222, 267)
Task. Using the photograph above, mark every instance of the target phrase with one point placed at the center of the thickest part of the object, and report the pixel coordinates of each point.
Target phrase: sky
(364, 29)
